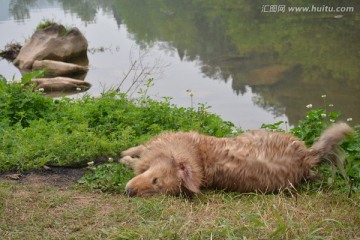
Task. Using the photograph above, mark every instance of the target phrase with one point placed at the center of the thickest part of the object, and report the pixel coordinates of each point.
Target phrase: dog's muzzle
(130, 192)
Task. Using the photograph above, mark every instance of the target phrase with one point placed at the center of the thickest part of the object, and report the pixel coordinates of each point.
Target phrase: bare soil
(60, 177)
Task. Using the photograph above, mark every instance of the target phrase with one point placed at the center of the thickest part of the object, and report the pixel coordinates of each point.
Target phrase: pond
(252, 62)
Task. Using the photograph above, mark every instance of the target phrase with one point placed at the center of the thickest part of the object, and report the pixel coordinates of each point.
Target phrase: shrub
(19, 104)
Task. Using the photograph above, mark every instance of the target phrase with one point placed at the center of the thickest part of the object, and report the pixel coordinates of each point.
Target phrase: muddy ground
(48, 176)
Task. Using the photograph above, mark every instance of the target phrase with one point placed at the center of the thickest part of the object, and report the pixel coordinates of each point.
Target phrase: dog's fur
(255, 161)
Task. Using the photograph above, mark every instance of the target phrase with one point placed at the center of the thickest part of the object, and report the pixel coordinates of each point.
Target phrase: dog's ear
(186, 175)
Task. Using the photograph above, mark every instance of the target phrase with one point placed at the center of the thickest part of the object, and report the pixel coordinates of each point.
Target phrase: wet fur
(255, 161)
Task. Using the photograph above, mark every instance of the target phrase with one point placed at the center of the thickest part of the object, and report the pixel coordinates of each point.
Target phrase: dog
(261, 161)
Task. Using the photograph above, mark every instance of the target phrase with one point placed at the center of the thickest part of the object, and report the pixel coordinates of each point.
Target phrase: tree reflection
(85, 9)
(19, 9)
(288, 60)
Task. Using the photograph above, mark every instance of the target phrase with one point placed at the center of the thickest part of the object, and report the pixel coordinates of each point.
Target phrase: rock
(15, 176)
(52, 43)
(63, 53)
(56, 68)
(60, 84)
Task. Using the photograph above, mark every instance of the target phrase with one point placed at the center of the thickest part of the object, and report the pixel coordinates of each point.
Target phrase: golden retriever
(256, 161)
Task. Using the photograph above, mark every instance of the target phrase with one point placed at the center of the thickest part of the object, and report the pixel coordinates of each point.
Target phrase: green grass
(74, 214)
(46, 23)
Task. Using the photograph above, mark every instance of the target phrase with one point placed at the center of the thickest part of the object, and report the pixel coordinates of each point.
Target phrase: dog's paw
(134, 151)
(127, 160)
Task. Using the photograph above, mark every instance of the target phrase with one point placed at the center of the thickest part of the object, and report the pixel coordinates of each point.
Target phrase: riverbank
(39, 135)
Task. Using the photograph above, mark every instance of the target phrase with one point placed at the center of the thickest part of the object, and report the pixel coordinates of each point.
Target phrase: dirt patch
(49, 176)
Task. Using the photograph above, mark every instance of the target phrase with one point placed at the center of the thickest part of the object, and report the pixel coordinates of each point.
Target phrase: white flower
(90, 164)
(349, 119)
(309, 106)
(78, 89)
(190, 92)
(331, 105)
(111, 159)
(323, 96)
(41, 89)
(323, 115)
(332, 120)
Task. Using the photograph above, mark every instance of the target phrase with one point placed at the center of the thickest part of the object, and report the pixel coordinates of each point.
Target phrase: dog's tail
(326, 149)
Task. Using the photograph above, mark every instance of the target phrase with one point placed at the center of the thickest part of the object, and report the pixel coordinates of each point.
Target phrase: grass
(75, 214)
(46, 23)
(36, 131)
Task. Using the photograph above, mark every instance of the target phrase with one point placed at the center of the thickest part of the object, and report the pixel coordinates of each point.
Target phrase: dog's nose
(130, 192)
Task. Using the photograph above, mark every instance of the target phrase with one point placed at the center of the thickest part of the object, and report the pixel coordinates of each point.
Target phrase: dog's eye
(154, 181)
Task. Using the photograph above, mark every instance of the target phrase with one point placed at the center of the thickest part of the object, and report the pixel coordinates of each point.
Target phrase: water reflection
(20, 10)
(288, 59)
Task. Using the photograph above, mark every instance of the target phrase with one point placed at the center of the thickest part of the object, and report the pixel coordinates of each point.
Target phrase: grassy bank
(36, 131)
(74, 214)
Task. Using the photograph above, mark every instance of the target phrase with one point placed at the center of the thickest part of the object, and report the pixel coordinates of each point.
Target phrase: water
(251, 67)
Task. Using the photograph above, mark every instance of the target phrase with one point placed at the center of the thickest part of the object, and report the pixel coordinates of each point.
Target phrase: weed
(19, 104)
(109, 177)
(46, 23)
(10, 51)
(139, 73)
(310, 129)
(273, 126)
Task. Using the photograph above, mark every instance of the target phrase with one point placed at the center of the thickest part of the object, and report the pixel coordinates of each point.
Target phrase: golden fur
(255, 161)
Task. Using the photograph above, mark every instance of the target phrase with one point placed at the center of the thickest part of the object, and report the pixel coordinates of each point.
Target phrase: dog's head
(164, 174)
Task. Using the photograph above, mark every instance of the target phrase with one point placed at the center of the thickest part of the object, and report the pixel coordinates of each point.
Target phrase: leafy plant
(20, 104)
(273, 127)
(3, 83)
(26, 78)
(109, 177)
(316, 120)
(309, 129)
(352, 162)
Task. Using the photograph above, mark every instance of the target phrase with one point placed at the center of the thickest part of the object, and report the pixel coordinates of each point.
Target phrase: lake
(252, 61)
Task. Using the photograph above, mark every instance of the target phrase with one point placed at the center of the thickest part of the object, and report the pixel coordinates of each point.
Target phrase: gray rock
(60, 84)
(57, 68)
(52, 43)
